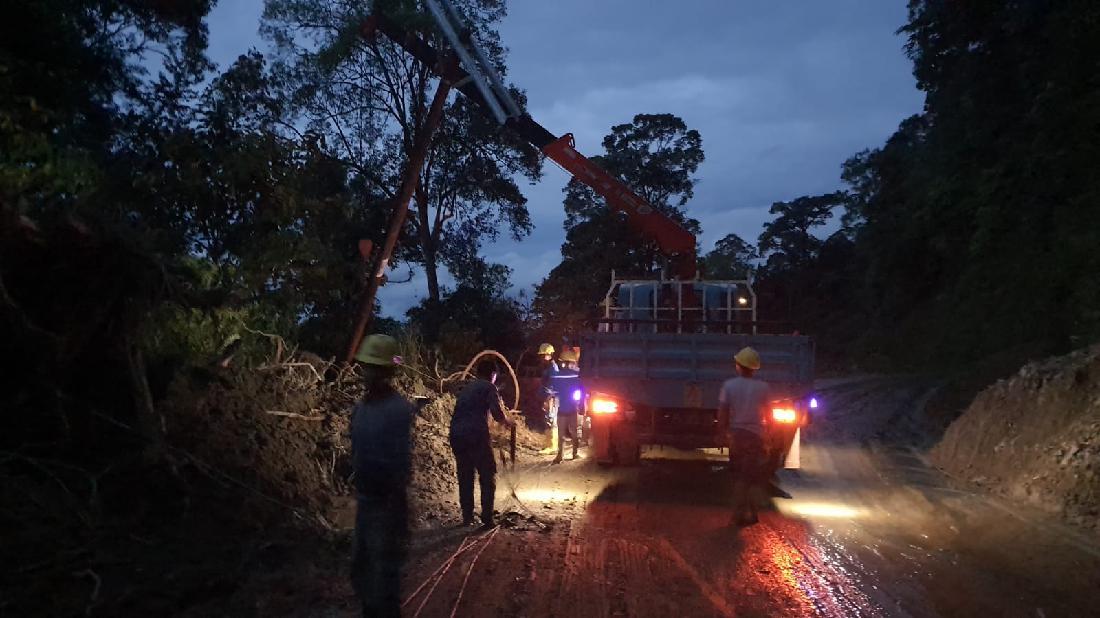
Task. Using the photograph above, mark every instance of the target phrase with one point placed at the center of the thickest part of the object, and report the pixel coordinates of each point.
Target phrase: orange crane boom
(672, 240)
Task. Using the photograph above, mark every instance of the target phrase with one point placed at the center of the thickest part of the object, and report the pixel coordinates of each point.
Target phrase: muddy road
(871, 531)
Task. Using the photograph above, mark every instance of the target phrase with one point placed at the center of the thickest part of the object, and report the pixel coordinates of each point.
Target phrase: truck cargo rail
(688, 325)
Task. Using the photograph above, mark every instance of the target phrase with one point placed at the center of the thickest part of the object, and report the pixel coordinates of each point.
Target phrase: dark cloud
(782, 92)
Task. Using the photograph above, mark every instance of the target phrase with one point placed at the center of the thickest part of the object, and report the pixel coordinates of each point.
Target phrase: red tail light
(784, 415)
(601, 405)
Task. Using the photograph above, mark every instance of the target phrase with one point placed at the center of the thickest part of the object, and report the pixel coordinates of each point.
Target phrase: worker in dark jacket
(380, 451)
(567, 383)
(470, 441)
(550, 402)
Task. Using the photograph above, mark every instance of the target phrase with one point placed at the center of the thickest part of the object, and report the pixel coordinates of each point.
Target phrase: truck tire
(631, 458)
(625, 446)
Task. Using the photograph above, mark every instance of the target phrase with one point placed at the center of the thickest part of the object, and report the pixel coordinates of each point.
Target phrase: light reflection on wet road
(871, 531)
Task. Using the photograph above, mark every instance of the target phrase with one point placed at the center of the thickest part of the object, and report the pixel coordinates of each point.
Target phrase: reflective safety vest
(567, 384)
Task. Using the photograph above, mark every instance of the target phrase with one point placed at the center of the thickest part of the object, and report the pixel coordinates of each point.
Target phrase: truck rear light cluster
(601, 405)
(784, 415)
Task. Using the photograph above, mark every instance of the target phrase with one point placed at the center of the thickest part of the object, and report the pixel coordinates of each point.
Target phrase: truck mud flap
(794, 455)
(625, 447)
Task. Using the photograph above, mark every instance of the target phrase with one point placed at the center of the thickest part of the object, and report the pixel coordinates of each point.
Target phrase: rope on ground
(443, 572)
(466, 580)
(513, 486)
(466, 543)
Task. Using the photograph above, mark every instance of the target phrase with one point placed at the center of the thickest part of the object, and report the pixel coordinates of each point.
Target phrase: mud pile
(434, 487)
(279, 429)
(1035, 437)
(282, 429)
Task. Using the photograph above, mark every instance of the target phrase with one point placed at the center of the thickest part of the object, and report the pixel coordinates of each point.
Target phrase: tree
(368, 100)
(655, 155)
(791, 250)
(259, 223)
(976, 201)
(71, 73)
(731, 258)
(72, 77)
(971, 231)
(473, 316)
(787, 242)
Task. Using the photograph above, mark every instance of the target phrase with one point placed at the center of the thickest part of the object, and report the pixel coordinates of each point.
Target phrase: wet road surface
(871, 531)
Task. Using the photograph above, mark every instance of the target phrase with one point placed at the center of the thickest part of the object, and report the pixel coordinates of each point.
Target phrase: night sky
(782, 93)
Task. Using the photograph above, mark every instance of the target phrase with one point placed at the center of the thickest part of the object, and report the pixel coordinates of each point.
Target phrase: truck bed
(678, 371)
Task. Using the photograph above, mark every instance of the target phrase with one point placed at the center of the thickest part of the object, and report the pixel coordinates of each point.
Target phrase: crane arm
(672, 240)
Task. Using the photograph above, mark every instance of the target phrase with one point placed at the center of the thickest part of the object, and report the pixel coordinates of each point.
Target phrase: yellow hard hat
(748, 358)
(545, 349)
(379, 350)
(569, 356)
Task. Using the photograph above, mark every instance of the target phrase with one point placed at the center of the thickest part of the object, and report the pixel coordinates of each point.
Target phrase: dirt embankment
(283, 429)
(247, 512)
(1035, 437)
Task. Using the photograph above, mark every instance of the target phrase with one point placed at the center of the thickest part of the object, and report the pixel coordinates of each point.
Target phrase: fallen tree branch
(95, 589)
(280, 343)
(19, 316)
(294, 415)
(85, 514)
(319, 377)
(63, 557)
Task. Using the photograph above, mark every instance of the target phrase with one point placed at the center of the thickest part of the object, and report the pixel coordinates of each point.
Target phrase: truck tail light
(784, 415)
(601, 405)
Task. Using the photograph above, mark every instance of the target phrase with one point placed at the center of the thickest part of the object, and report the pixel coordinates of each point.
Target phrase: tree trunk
(149, 422)
(400, 213)
(427, 247)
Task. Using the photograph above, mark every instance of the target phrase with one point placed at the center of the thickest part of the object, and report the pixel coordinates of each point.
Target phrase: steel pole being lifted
(411, 179)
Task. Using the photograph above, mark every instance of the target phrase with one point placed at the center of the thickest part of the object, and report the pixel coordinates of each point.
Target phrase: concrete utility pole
(419, 152)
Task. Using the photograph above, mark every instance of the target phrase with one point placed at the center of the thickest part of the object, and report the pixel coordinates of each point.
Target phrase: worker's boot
(557, 459)
(574, 448)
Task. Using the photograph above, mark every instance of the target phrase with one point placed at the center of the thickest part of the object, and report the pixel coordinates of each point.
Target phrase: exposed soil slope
(1035, 437)
(284, 430)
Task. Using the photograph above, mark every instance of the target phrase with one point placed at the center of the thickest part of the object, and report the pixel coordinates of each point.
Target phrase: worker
(470, 442)
(380, 450)
(742, 410)
(546, 353)
(549, 396)
(567, 383)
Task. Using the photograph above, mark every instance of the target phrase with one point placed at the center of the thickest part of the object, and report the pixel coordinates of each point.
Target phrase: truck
(652, 367)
